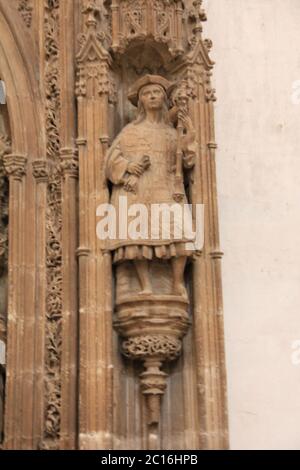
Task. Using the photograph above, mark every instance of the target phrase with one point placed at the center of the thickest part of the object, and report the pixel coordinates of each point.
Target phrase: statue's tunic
(154, 186)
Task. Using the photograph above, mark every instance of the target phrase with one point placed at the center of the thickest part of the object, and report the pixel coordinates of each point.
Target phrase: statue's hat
(148, 79)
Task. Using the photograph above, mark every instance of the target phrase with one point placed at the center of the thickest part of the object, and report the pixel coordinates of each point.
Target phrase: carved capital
(40, 170)
(69, 162)
(15, 166)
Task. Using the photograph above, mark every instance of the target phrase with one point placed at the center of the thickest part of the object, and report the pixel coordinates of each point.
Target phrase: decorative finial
(198, 6)
(197, 15)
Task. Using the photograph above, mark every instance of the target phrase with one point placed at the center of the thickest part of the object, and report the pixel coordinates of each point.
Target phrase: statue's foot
(180, 290)
(147, 291)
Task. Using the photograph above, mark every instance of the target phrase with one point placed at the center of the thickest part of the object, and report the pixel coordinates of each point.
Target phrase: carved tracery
(53, 230)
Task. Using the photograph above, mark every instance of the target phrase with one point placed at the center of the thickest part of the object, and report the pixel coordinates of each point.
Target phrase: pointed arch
(17, 70)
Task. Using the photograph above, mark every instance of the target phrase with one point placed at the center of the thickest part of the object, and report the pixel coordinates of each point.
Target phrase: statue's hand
(190, 135)
(184, 117)
(130, 184)
(135, 168)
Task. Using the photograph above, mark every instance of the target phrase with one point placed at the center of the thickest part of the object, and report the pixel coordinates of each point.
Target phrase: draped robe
(155, 186)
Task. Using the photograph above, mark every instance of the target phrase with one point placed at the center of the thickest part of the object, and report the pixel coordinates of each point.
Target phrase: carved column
(207, 311)
(19, 70)
(15, 166)
(94, 90)
(69, 236)
(41, 173)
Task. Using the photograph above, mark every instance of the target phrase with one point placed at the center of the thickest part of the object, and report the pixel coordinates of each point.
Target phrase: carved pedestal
(151, 330)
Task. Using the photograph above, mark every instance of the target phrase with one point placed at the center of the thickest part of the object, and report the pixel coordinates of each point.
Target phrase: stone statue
(141, 165)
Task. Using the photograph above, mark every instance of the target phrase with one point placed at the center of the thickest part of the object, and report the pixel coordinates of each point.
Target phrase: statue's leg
(142, 269)
(178, 266)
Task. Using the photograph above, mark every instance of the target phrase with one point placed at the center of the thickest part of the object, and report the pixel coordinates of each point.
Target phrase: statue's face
(152, 97)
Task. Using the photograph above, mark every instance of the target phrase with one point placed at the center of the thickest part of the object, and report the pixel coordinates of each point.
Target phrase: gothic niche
(150, 162)
(4, 149)
(146, 165)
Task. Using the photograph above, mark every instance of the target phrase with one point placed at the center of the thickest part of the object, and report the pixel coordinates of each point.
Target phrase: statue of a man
(141, 165)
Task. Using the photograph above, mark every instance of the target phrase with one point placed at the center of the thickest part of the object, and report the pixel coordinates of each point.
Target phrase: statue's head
(150, 93)
(146, 80)
(152, 97)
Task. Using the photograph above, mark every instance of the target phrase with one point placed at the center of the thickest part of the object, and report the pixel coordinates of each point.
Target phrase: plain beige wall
(257, 54)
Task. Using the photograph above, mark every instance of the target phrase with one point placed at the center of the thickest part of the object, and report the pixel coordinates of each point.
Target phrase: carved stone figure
(141, 164)
(146, 165)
